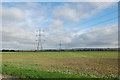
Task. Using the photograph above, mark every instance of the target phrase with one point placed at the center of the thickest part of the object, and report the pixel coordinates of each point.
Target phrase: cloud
(56, 23)
(19, 26)
(15, 37)
(104, 36)
(96, 37)
(12, 14)
(66, 12)
(15, 29)
(77, 11)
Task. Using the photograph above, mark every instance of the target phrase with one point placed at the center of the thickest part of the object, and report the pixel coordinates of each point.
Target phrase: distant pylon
(60, 45)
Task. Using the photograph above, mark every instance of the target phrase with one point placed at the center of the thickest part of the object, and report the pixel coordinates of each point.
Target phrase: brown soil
(7, 77)
(97, 67)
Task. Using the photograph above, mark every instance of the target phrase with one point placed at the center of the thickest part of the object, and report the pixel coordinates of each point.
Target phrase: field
(67, 64)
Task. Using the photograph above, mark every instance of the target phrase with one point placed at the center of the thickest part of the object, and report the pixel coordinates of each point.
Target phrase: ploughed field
(64, 64)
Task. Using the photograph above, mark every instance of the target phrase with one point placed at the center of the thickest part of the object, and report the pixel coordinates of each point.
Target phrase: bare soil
(97, 67)
(7, 77)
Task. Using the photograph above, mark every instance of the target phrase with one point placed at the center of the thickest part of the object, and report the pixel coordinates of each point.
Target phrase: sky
(74, 24)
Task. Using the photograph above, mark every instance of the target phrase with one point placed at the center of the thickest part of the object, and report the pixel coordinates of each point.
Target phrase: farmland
(67, 64)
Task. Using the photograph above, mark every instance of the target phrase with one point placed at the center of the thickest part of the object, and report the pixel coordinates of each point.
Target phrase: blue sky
(60, 1)
(76, 24)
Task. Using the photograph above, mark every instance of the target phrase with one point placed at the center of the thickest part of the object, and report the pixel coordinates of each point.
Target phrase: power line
(103, 21)
(99, 17)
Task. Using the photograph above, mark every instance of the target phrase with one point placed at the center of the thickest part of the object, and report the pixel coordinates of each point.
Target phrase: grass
(78, 64)
(93, 54)
(33, 73)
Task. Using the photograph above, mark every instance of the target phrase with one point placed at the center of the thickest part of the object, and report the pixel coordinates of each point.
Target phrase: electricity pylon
(60, 45)
(40, 40)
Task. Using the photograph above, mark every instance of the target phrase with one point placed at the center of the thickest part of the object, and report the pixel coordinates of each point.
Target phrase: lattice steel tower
(40, 40)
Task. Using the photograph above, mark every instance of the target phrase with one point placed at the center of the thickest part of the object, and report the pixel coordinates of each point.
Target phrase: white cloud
(56, 23)
(105, 36)
(19, 26)
(12, 14)
(67, 13)
(76, 11)
(15, 37)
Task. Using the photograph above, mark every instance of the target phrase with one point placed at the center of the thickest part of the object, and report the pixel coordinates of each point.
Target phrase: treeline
(8, 50)
(83, 49)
